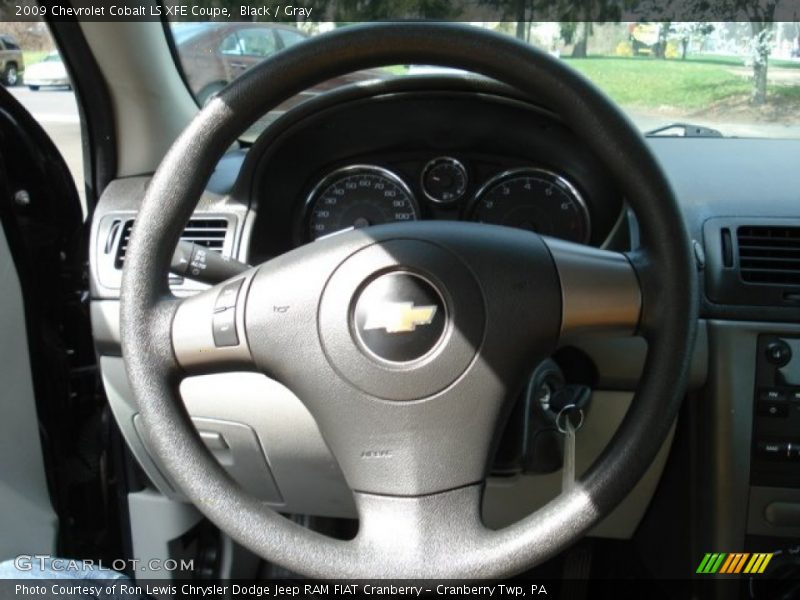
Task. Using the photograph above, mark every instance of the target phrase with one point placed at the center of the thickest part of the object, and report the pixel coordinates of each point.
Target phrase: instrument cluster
(526, 197)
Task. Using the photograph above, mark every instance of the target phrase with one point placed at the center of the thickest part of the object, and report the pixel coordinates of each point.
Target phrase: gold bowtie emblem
(399, 317)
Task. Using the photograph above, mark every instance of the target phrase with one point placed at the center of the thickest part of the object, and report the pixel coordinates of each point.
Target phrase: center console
(776, 420)
(775, 452)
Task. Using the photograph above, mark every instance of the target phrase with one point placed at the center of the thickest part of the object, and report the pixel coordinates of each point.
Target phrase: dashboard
(465, 149)
(424, 155)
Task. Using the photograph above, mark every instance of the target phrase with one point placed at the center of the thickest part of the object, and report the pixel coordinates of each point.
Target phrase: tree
(567, 31)
(582, 13)
(577, 34)
(797, 36)
(760, 49)
(685, 32)
(581, 47)
(576, 16)
(759, 13)
(516, 11)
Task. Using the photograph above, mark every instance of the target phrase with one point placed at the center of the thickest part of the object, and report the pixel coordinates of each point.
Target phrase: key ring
(564, 410)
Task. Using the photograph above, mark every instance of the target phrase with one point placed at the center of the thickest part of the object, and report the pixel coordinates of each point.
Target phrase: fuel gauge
(444, 180)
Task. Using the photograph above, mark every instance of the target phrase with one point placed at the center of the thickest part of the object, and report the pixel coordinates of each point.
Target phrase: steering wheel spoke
(600, 290)
(208, 330)
(420, 531)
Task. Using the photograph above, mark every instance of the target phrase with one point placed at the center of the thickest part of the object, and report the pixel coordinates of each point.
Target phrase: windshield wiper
(685, 129)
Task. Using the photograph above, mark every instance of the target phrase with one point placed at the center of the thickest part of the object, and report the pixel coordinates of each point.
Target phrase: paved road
(647, 121)
(57, 112)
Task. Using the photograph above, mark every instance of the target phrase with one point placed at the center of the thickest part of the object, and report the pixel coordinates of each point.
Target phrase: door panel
(28, 523)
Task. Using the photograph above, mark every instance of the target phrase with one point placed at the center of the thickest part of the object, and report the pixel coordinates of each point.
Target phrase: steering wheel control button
(208, 328)
(400, 317)
(772, 395)
(224, 328)
(223, 322)
(773, 409)
(773, 450)
(227, 296)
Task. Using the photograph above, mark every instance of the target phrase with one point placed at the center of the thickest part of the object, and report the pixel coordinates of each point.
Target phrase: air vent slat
(769, 244)
(769, 254)
(203, 238)
(210, 232)
(773, 253)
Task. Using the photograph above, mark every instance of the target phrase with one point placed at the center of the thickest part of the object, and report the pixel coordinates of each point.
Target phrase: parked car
(214, 54)
(49, 72)
(11, 62)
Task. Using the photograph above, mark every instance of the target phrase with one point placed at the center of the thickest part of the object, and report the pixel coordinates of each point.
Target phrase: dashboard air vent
(209, 232)
(769, 254)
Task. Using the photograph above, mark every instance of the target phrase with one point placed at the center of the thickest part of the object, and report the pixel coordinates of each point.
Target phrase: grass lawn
(397, 69)
(691, 84)
(740, 60)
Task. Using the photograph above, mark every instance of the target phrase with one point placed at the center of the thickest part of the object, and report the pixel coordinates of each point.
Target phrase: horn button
(401, 319)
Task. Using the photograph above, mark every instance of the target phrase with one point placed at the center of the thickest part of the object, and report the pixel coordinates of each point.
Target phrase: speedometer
(533, 199)
(358, 196)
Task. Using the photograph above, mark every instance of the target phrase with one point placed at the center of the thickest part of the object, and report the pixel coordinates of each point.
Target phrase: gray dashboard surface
(722, 177)
(733, 177)
(711, 178)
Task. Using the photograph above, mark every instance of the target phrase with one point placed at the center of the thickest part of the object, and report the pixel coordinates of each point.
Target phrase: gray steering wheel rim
(454, 546)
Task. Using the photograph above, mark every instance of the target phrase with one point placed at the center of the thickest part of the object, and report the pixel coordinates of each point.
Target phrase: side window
(258, 42)
(290, 38)
(10, 45)
(231, 45)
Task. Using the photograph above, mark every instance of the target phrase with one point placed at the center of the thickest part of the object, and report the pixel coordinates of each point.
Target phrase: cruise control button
(771, 395)
(773, 409)
(773, 450)
(227, 296)
(224, 328)
(793, 452)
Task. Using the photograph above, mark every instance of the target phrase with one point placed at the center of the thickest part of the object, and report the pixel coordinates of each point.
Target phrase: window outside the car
(231, 45)
(290, 38)
(736, 78)
(257, 41)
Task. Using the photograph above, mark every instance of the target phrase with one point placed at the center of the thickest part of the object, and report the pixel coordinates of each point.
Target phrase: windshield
(671, 78)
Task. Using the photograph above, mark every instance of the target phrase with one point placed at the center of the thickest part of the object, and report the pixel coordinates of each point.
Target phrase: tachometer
(358, 196)
(533, 199)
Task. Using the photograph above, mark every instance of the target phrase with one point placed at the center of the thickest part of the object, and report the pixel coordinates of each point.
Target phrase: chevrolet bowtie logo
(399, 317)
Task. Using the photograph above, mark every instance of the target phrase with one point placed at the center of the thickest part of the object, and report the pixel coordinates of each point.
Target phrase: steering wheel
(407, 342)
